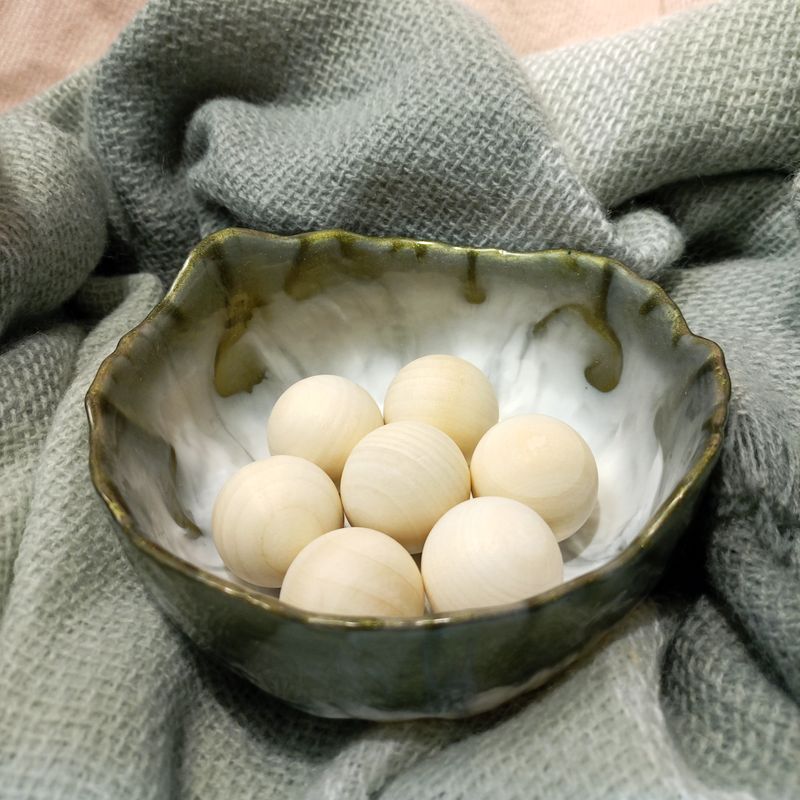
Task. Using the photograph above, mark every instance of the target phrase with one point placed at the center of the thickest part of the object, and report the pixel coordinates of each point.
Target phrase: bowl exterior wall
(207, 354)
(390, 674)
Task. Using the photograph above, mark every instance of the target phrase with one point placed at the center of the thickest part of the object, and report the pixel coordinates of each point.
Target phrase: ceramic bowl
(183, 402)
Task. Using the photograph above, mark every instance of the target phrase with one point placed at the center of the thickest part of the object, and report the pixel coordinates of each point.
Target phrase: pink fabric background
(44, 41)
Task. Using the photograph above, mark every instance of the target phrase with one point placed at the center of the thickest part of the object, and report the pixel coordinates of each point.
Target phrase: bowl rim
(112, 497)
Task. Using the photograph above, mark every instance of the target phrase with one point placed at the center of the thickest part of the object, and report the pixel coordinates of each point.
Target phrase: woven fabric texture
(672, 147)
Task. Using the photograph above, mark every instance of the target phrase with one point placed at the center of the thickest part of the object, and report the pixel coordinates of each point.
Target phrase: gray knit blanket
(672, 148)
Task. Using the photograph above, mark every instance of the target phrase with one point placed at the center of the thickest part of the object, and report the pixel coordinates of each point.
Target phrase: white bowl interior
(646, 432)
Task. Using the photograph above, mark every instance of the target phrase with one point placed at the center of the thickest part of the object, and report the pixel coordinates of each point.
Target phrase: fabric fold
(672, 147)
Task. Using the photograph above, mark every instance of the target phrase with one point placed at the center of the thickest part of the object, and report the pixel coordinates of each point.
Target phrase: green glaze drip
(174, 507)
(653, 302)
(473, 291)
(420, 250)
(704, 369)
(161, 459)
(605, 286)
(178, 315)
(299, 280)
(317, 264)
(605, 369)
(348, 246)
(571, 262)
(707, 367)
(649, 305)
(237, 368)
(360, 259)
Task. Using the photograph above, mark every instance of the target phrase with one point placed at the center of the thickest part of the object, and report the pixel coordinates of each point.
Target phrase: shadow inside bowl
(184, 402)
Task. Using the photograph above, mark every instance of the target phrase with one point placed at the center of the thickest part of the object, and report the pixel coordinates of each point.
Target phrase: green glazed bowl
(183, 402)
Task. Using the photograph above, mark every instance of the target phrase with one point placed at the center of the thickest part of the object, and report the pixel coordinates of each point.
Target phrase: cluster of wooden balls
(484, 502)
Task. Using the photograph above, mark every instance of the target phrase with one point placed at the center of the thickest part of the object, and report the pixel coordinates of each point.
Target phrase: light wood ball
(321, 419)
(542, 462)
(487, 552)
(355, 572)
(268, 511)
(447, 392)
(401, 478)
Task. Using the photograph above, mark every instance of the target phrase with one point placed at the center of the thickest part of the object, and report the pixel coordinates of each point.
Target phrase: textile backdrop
(43, 42)
(672, 147)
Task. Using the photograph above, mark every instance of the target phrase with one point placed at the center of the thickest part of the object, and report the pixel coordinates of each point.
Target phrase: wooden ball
(487, 552)
(322, 418)
(447, 392)
(268, 511)
(401, 478)
(355, 572)
(541, 462)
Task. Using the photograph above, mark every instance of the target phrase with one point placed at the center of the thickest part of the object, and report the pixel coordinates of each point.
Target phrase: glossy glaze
(182, 402)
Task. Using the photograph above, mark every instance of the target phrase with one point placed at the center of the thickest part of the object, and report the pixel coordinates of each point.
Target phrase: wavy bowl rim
(112, 497)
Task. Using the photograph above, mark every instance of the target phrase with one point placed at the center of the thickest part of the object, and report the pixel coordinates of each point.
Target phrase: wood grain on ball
(355, 572)
(268, 511)
(447, 392)
(489, 551)
(401, 478)
(541, 462)
(321, 419)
